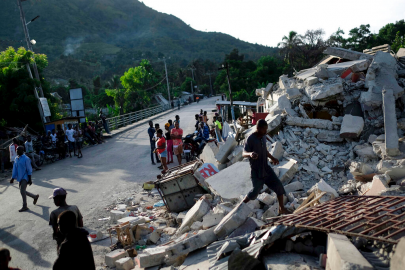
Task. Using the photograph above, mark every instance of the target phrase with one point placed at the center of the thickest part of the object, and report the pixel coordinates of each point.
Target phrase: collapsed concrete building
(338, 132)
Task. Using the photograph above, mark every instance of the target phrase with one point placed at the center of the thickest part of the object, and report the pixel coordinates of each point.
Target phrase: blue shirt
(22, 168)
(151, 132)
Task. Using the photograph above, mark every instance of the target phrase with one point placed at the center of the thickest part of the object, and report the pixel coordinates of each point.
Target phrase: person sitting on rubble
(59, 199)
(75, 251)
(5, 259)
(261, 173)
(203, 136)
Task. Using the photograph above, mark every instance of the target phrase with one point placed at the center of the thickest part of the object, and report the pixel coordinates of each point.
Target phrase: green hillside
(99, 30)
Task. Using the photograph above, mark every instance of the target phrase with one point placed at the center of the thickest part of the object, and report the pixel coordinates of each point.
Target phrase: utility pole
(192, 73)
(167, 81)
(226, 66)
(209, 74)
(27, 38)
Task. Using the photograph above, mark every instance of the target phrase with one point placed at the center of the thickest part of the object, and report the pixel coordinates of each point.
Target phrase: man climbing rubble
(261, 173)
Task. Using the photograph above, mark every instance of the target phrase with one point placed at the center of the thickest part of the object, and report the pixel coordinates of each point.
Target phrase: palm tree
(288, 45)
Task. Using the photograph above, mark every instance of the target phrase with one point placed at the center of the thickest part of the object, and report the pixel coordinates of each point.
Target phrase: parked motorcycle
(192, 148)
(46, 152)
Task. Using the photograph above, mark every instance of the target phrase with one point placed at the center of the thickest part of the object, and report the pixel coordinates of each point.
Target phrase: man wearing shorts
(177, 135)
(261, 173)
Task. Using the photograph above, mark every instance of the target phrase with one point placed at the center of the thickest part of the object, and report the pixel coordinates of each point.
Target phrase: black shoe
(158, 161)
(36, 199)
(160, 167)
(37, 169)
(23, 209)
(153, 163)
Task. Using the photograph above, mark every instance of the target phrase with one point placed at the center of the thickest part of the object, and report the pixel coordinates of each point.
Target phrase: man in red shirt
(177, 135)
(161, 149)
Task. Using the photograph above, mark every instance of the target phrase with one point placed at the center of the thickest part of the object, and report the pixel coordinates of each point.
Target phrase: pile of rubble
(337, 129)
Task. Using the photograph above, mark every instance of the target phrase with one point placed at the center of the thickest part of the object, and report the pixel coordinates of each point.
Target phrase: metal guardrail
(133, 117)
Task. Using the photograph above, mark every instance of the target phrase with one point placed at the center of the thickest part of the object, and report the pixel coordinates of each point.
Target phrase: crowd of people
(169, 143)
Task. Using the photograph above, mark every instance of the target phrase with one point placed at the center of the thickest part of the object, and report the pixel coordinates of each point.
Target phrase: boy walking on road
(22, 172)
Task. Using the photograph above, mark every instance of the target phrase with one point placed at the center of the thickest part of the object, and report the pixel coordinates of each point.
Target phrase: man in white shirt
(53, 137)
(29, 152)
(13, 150)
(70, 132)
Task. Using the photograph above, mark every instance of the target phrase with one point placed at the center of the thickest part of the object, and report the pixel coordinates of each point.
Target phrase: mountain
(98, 31)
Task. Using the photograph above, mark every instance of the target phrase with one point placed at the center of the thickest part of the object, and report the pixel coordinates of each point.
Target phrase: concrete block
(379, 184)
(266, 198)
(390, 123)
(294, 186)
(347, 54)
(272, 122)
(284, 82)
(351, 126)
(248, 226)
(115, 215)
(208, 155)
(282, 103)
(271, 212)
(153, 237)
(329, 136)
(254, 204)
(277, 150)
(312, 123)
(198, 225)
(226, 149)
(132, 220)
(231, 182)
(288, 169)
(202, 239)
(398, 259)
(365, 151)
(232, 220)
(293, 93)
(151, 257)
(325, 90)
(113, 256)
(342, 254)
(125, 264)
(196, 213)
(311, 81)
(212, 219)
(169, 230)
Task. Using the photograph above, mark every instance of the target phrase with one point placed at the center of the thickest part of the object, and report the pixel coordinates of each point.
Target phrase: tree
(399, 42)
(117, 93)
(186, 85)
(289, 45)
(360, 38)
(18, 104)
(337, 39)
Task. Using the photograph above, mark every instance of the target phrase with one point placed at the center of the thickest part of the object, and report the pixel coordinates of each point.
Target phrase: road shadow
(18, 244)
(45, 212)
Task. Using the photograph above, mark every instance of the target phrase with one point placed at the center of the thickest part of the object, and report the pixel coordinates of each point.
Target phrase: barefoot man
(261, 173)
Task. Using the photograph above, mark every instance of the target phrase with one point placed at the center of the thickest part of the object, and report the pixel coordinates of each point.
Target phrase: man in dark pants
(75, 251)
(261, 173)
(151, 133)
(105, 123)
(22, 171)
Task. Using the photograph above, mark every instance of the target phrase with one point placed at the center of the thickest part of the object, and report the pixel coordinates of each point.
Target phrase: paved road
(90, 183)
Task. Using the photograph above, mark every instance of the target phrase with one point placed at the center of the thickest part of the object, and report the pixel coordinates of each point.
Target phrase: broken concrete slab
(325, 90)
(394, 168)
(342, 254)
(293, 93)
(125, 264)
(381, 74)
(277, 150)
(378, 185)
(226, 149)
(398, 259)
(272, 122)
(282, 103)
(201, 239)
(352, 126)
(151, 257)
(289, 261)
(273, 211)
(365, 151)
(250, 225)
(208, 155)
(347, 54)
(266, 198)
(232, 220)
(113, 256)
(195, 260)
(196, 213)
(294, 186)
(329, 136)
(288, 169)
(312, 123)
(390, 123)
(284, 82)
(212, 219)
(311, 81)
(238, 174)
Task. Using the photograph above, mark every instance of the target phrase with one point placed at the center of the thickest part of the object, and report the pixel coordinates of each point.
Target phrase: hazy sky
(267, 21)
